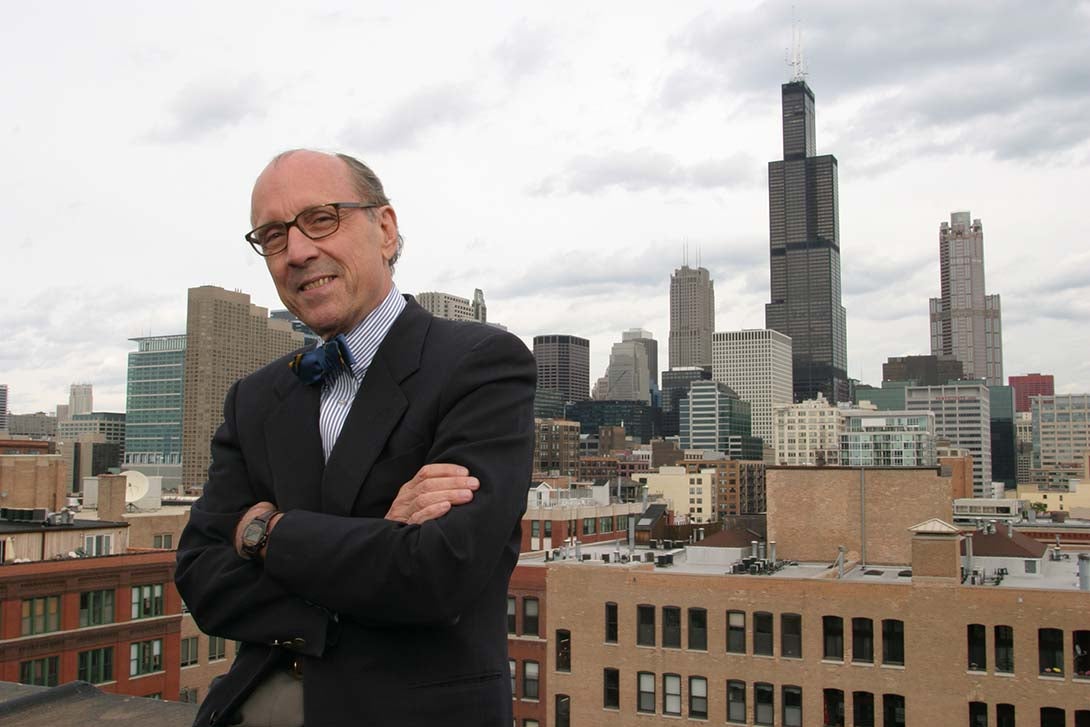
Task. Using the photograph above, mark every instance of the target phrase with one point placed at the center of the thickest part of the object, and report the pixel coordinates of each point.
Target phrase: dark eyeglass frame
(252, 235)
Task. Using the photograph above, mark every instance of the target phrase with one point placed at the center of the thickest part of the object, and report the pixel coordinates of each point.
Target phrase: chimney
(969, 555)
(772, 550)
(753, 545)
(111, 497)
(841, 554)
(1084, 571)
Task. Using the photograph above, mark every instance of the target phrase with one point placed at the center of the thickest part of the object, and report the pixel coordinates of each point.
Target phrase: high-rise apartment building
(646, 339)
(153, 404)
(807, 433)
(887, 439)
(965, 321)
(227, 337)
(563, 364)
(453, 307)
(713, 418)
(1023, 446)
(963, 419)
(1061, 437)
(91, 444)
(804, 239)
(80, 399)
(1030, 385)
(757, 365)
(556, 446)
(3, 407)
(692, 317)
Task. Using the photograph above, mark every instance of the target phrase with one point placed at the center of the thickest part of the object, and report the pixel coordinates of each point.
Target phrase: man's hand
(253, 512)
(431, 493)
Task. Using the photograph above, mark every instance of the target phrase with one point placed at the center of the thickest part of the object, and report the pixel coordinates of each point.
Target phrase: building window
(698, 698)
(97, 545)
(792, 706)
(791, 636)
(1082, 717)
(764, 703)
(164, 541)
(832, 628)
(893, 641)
(96, 607)
(736, 632)
(511, 615)
(145, 657)
(588, 526)
(736, 702)
(863, 640)
(611, 623)
(611, 689)
(217, 648)
(671, 694)
(96, 666)
(41, 615)
(189, 651)
(1004, 649)
(671, 627)
(1050, 651)
(1053, 717)
(645, 692)
(645, 625)
(563, 650)
(605, 525)
(978, 714)
(563, 710)
(893, 710)
(1004, 716)
(698, 629)
(529, 617)
(535, 528)
(833, 708)
(511, 668)
(862, 709)
(1081, 662)
(976, 635)
(762, 633)
(147, 601)
(529, 679)
(39, 672)
(188, 695)
(548, 528)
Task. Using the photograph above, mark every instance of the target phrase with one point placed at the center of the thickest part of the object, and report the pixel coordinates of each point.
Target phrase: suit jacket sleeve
(227, 594)
(378, 570)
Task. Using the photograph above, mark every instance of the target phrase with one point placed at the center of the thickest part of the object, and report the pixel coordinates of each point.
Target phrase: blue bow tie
(325, 360)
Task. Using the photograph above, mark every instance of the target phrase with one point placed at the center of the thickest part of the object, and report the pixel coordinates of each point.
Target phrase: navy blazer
(394, 624)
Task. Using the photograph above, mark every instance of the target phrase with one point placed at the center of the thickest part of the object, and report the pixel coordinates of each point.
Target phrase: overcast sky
(561, 157)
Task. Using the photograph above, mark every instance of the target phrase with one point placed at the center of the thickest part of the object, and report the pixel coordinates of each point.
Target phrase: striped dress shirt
(339, 391)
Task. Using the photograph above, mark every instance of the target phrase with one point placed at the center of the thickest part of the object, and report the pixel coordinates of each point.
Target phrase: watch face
(251, 536)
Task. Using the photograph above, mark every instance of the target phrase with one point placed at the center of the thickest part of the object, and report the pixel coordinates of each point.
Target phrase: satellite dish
(136, 485)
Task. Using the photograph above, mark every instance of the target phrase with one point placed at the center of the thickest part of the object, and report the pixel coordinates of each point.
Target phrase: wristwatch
(256, 534)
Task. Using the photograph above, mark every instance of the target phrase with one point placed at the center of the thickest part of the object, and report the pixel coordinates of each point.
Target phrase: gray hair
(369, 188)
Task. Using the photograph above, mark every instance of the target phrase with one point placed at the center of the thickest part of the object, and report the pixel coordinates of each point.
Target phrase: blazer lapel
(376, 411)
(295, 446)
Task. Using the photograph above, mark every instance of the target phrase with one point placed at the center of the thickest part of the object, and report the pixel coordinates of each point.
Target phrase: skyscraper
(563, 364)
(757, 365)
(153, 408)
(628, 377)
(646, 339)
(227, 337)
(692, 317)
(962, 418)
(713, 418)
(965, 322)
(80, 399)
(804, 226)
(1030, 385)
(3, 407)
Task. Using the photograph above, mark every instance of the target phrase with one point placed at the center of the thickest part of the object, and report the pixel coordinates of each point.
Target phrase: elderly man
(361, 517)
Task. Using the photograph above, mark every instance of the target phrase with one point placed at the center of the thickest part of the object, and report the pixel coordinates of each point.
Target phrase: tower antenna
(793, 56)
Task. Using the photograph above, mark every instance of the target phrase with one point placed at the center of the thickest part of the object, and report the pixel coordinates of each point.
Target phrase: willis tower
(804, 221)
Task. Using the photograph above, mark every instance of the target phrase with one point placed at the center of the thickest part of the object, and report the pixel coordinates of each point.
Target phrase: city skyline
(649, 152)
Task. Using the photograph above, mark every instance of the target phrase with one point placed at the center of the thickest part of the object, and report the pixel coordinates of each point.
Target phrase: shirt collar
(365, 338)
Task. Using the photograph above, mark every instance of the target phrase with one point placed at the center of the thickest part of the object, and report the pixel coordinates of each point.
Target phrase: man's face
(333, 283)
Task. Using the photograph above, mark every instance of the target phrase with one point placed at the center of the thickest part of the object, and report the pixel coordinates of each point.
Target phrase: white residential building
(807, 433)
(963, 418)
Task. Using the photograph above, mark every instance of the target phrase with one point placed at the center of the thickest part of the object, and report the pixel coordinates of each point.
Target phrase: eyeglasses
(314, 222)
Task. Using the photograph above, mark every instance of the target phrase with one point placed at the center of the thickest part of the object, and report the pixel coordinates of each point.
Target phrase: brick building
(820, 642)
